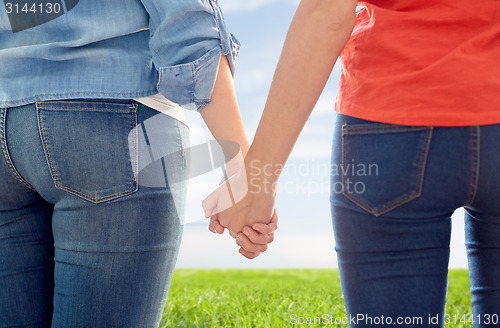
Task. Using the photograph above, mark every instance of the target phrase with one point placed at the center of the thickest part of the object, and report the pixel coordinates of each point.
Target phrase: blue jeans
(82, 242)
(394, 189)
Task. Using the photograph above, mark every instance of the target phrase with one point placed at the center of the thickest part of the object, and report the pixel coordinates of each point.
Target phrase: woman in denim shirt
(92, 176)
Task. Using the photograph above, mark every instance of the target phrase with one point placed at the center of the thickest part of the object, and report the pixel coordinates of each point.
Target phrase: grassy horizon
(221, 298)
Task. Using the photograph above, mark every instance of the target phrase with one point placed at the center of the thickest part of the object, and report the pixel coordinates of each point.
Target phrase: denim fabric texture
(394, 189)
(169, 46)
(82, 242)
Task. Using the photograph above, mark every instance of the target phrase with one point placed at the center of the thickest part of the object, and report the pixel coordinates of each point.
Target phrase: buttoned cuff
(194, 82)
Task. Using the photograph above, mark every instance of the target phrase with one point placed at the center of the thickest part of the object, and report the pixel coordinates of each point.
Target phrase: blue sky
(304, 237)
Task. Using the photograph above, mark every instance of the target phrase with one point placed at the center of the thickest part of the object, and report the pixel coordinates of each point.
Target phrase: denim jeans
(82, 242)
(394, 189)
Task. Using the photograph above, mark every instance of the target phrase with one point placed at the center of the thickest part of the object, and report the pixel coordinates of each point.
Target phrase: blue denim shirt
(111, 49)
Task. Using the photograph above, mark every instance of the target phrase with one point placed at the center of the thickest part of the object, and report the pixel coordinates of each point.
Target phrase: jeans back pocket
(89, 147)
(383, 165)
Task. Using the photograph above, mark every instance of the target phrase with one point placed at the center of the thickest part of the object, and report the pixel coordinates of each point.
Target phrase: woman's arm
(223, 118)
(316, 37)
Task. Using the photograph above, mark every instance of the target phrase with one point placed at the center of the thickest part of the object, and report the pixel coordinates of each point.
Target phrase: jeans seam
(179, 136)
(92, 109)
(133, 188)
(5, 151)
(420, 173)
(134, 250)
(135, 162)
(378, 129)
(475, 142)
(96, 200)
(60, 105)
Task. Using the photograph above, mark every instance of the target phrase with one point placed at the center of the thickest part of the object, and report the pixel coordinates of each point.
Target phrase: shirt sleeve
(187, 39)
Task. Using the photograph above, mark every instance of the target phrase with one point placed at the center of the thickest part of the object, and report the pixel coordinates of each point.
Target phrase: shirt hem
(77, 95)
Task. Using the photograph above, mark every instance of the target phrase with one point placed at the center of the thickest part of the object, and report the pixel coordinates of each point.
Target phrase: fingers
(253, 242)
(246, 244)
(258, 238)
(249, 255)
(215, 226)
(267, 228)
(264, 228)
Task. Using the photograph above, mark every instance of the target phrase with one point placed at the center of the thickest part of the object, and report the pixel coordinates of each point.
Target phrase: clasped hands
(242, 207)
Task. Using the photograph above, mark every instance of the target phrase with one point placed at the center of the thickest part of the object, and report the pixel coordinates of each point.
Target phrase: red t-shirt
(423, 62)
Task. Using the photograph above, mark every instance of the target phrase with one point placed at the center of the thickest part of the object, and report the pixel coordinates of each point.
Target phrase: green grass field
(270, 298)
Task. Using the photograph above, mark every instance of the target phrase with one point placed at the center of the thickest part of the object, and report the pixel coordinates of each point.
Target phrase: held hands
(253, 240)
(244, 210)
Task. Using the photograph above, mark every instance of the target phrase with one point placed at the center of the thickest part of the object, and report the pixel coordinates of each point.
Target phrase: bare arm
(223, 116)
(316, 37)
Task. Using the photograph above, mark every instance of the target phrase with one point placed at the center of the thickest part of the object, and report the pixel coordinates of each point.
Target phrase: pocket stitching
(368, 129)
(420, 173)
(98, 199)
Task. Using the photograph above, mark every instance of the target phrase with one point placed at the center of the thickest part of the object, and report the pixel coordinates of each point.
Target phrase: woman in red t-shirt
(416, 138)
